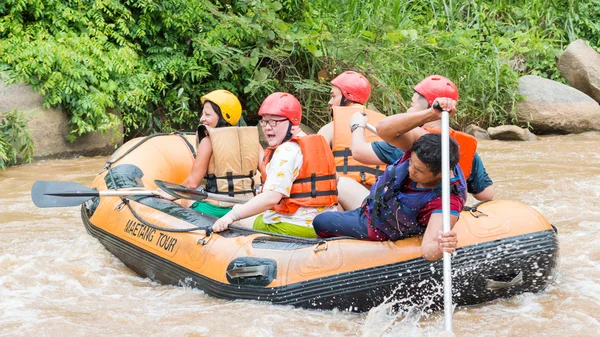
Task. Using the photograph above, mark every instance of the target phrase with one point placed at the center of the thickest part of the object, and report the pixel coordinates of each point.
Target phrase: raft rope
(125, 201)
(180, 134)
(208, 230)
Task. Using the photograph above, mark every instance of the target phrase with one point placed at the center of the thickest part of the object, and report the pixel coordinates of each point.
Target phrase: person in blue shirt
(479, 184)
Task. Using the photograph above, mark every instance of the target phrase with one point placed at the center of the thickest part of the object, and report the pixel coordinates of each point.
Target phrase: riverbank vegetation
(150, 60)
(16, 141)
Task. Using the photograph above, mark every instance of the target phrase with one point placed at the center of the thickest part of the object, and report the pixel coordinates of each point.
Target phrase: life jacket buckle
(319, 247)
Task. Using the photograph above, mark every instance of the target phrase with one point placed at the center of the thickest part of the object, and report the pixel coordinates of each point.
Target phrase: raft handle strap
(248, 271)
(474, 211)
(207, 236)
(492, 284)
(318, 247)
(478, 214)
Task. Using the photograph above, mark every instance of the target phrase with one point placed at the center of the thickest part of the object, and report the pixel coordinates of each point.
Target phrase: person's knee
(318, 223)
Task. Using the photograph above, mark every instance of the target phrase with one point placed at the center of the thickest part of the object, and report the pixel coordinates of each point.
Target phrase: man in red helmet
(382, 153)
(348, 89)
(298, 175)
(349, 93)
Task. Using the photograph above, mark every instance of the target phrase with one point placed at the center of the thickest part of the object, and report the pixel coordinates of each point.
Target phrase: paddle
(446, 215)
(182, 192)
(445, 211)
(371, 128)
(64, 194)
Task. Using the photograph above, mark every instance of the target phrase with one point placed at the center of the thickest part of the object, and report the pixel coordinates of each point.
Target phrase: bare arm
(434, 241)
(402, 130)
(361, 148)
(200, 166)
(327, 132)
(260, 203)
(487, 194)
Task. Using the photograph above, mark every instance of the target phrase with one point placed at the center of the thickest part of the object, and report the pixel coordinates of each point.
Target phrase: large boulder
(477, 132)
(50, 127)
(579, 64)
(552, 107)
(510, 132)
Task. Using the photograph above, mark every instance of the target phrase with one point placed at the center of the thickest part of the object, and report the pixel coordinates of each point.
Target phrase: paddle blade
(181, 192)
(60, 194)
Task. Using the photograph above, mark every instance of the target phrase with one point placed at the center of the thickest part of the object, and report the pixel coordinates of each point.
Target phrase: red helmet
(354, 86)
(436, 86)
(282, 104)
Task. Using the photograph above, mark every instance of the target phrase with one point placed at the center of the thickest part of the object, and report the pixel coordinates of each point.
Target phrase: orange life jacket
(467, 145)
(316, 184)
(342, 139)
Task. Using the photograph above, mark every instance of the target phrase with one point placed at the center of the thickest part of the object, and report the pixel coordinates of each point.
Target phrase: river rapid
(56, 280)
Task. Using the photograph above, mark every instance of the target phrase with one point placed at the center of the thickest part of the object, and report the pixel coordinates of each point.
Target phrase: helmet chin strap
(288, 134)
(343, 102)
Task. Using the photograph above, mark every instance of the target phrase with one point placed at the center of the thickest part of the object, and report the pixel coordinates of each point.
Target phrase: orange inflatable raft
(505, 247)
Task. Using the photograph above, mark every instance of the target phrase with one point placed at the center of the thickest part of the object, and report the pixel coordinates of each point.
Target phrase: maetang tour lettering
(148, 234)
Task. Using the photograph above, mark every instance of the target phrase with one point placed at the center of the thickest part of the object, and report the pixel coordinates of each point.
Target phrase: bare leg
(351, 194)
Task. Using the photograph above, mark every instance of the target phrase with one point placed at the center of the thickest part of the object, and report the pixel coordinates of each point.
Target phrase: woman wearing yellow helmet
(226, 158)
(222, 105)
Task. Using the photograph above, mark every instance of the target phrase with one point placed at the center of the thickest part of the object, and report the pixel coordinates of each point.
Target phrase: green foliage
(483, 46)
(151, 60)
(16, 141)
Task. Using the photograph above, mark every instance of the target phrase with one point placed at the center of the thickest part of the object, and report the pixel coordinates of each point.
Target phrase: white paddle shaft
(446, 219)
(371, 128)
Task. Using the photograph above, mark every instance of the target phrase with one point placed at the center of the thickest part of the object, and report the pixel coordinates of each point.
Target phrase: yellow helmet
(231, 109)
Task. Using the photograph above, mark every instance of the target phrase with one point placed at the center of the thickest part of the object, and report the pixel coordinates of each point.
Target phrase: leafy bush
(16, 141)
(483, 46)
(152, 60)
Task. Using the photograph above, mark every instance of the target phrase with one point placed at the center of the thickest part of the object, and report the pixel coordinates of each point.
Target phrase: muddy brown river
(56, 280)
